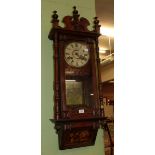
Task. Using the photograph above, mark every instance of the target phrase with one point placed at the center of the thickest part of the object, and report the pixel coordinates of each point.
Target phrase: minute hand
(82, 57)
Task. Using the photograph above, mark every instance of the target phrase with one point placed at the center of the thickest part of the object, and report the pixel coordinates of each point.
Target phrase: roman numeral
(69, 57)
(68, 48)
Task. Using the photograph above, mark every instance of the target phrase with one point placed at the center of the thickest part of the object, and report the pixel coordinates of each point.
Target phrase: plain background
(20, 77)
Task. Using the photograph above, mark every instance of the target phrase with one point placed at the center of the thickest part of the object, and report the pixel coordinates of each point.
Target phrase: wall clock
(78, 102)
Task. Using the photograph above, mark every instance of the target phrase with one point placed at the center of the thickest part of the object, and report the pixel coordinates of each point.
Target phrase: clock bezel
(79, 42)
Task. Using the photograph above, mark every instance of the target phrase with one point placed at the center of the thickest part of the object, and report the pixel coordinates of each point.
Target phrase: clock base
(76, 134)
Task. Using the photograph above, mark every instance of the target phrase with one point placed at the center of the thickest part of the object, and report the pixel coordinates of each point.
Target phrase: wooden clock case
(76, 125)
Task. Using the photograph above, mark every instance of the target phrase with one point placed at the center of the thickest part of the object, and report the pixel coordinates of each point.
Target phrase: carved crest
(75, 22)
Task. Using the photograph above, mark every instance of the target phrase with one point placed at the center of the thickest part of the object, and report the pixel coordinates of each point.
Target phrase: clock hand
(77, 54)
(82, 57)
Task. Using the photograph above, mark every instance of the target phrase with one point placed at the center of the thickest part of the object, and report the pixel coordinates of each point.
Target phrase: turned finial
(55, 16)
(96, 25)
(75, 12)
(96, 21)
(55, 20)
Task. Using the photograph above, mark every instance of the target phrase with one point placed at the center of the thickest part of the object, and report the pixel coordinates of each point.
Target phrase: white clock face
(76, 54)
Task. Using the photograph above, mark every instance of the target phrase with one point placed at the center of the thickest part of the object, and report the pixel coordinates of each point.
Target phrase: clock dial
(76, 54)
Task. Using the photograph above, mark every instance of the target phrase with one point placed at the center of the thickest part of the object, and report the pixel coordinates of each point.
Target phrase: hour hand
(82, 57)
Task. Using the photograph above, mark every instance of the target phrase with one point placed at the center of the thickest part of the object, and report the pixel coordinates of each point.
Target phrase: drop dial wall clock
(78, 102)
